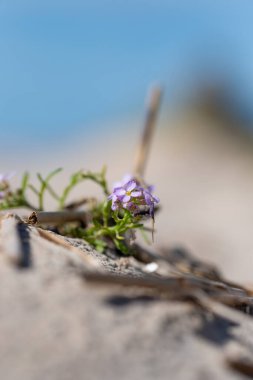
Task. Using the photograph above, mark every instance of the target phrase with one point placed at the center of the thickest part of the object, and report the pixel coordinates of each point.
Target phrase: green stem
(44, 186)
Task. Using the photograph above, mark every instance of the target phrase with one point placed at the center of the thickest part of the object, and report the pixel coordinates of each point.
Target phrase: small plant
(112, 222)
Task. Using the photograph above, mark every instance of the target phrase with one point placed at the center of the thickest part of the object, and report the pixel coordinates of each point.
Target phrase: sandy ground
(55, 325)
(203, 176)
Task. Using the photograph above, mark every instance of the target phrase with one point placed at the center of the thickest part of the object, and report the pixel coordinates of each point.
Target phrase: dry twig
(148, 132)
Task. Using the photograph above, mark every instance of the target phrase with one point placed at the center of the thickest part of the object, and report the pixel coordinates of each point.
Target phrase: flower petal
(117, 184)
(127, 178)
(115, 206)
(148, 198)
(113, 197)
(136, 193)
(131, 185)
(119, 191)
(5, 177)
(156, 199)
(151, 188)
(126, 198)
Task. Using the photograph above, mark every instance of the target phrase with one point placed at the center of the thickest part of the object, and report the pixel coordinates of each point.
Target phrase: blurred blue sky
(66, 65)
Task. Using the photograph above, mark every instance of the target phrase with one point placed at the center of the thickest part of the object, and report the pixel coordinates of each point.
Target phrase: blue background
(66, 65)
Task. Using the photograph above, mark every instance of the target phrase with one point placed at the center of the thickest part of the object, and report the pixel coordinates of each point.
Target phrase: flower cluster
(131, 195)
(4, 184)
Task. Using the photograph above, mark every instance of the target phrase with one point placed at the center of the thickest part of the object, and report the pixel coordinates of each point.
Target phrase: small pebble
(151, 267)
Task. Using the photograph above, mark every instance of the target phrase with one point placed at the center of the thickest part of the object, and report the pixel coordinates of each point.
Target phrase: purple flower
(130, 195)
(124, 196)
(150, 200)
(4, 184)
(125, 180)
(5, 177)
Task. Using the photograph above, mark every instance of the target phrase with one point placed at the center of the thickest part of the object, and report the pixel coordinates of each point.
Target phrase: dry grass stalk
(148, 132)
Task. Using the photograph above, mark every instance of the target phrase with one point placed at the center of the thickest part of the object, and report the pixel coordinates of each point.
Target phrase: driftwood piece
(15, 240)
(89, 262)
(81, 202)
(183, 285)
(15, 237)
(57, 217)
(183, 313)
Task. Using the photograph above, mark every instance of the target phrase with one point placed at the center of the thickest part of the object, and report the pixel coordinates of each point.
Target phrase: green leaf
(97, 224)
(100, 245)
(121, 246)
(45, 185)
(106, 212)
(24, 183)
